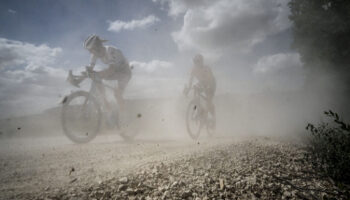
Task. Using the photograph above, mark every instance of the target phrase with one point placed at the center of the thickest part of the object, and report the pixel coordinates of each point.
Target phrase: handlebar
(196, 89)
(75, 80)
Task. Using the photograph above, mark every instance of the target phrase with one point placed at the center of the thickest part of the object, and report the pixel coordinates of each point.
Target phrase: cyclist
(118, 66)
(206, 80)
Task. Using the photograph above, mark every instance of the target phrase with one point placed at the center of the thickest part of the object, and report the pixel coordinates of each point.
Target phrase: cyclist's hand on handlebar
(89, 68)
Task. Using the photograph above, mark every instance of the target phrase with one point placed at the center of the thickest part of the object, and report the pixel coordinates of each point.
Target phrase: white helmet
(92, 41)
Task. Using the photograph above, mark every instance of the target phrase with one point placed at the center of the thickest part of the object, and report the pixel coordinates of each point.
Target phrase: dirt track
(47, 164)
(108, 168)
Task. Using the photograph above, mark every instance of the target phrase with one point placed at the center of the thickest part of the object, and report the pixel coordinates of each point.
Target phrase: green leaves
(321, 31)
(310, 127)
(329, 147)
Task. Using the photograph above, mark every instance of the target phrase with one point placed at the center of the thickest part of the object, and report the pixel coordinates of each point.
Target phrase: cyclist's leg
(123, 78)
(104, 74)
(210, 92)
(107, 74)
(102, 90)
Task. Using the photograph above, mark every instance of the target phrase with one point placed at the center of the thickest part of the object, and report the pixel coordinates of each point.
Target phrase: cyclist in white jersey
(118, 66)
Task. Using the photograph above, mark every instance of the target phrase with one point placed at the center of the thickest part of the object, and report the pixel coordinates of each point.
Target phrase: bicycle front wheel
(81, 117)
(194, 120)
(211, 125)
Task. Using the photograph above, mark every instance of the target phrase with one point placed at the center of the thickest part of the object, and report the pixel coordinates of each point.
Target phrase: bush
(329, 147)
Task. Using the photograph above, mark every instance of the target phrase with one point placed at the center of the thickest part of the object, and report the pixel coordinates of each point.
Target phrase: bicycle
(83, 112)
(197, 113)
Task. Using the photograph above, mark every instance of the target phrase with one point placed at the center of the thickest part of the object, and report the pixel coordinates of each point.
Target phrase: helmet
(198, 59)
(93, 41)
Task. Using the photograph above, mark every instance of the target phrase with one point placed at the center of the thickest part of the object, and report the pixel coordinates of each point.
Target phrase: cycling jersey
(204, 75)
(113, 57)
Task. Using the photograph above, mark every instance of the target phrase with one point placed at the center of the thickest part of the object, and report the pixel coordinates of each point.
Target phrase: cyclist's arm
(93, 61)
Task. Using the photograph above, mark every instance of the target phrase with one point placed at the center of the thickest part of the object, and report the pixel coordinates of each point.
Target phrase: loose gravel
(255, 169)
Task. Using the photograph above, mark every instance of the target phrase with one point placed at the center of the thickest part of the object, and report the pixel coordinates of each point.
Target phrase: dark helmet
(93, 41)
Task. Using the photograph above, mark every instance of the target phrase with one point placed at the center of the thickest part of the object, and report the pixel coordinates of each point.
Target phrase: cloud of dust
(262, 86)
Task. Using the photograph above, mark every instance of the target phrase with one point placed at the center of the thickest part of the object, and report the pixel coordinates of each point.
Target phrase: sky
(246, 43)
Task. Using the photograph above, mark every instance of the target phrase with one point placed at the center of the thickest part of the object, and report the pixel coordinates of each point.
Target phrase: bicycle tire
(211, 123)
(65, 117)
(193, 108)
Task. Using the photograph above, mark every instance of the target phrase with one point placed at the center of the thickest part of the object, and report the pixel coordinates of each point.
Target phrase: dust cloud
(266, 94)
(259, 109)
(264, 112)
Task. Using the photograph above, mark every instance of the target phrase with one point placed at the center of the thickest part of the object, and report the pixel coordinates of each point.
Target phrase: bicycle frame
(198, 93)
(94, 90)
(101, 111)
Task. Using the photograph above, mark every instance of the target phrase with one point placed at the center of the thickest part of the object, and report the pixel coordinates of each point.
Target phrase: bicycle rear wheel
(194, 120)
(81, 117)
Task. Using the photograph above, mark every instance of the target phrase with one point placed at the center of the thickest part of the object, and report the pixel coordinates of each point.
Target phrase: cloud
(277, 62)
(30, 78)
(177, 7)
(117, 26)
(225, 26)
(282, 71)
(12, 11)
(155, 78)
(14, 53)
(151, 66)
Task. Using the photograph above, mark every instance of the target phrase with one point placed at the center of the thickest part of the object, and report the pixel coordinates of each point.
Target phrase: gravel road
(108, 168)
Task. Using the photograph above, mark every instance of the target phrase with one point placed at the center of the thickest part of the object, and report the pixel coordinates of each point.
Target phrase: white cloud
(283, 71)
(11, 11)
(118, 25)
(240, 39)
(277, 62)
(177, 7)
(13, 53)
(30, 78)
(154, 79)
(151, 66)
(226, 26)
